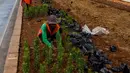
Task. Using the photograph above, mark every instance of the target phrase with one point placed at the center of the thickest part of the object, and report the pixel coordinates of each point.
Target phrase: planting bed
(34, 57)
(94, 14)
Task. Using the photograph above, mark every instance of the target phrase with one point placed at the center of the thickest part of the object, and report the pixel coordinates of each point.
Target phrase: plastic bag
(96, 31)
(99, 31)
(86, 29)
(105, 70)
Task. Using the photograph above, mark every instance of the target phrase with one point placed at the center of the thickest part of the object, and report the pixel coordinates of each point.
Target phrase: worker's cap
(52, 19)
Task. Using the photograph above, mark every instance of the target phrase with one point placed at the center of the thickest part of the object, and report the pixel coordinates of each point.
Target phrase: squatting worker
(49, 30)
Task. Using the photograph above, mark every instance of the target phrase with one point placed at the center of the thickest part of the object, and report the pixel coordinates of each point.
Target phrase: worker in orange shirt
(27, 2)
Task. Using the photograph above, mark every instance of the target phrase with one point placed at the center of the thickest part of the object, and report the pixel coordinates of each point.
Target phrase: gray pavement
(5, 10)
(8, 12)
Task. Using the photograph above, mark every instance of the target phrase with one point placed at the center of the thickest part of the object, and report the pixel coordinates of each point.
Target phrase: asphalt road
(7, 8)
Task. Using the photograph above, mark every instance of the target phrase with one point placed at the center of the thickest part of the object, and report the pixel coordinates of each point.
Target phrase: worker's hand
(50, 47)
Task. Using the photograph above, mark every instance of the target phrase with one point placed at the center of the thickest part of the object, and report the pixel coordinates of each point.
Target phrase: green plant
(66, 17)
(26, 12)
(48, 55)
(36, 54)
(63, 13)
(77, 57)
(60, 49)
(45, 51)
(70, 66)
(35, 11)
(26, 58)
(74, 53)
(69, 69)
(42, 68)
(44, 9)
(55, 68)
(69, 19)
(80, 62)
(31, 12)
(90, 71)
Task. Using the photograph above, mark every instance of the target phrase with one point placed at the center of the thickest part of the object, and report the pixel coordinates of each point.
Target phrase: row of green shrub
(35, 11)
(73, 55)
(26, 58)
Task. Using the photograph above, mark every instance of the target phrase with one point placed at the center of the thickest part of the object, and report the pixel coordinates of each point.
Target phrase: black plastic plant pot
(113, 48)
(71, 25)
(126, 69)
(121, 68)
(77, 28)
(89, 41)
(74, 41)
(83, 50)
(89, 46)
(86, 35)
(75, 35)
(85, 68)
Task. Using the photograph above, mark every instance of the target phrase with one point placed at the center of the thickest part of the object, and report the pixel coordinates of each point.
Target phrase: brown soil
(96, 14)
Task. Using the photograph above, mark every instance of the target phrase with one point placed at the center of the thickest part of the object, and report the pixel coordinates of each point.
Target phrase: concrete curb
(117, 4)
(12, 56)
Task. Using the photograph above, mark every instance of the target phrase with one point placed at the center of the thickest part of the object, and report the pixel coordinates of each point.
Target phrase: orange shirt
(28, 1)
(55, 30)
